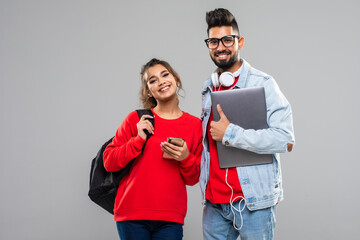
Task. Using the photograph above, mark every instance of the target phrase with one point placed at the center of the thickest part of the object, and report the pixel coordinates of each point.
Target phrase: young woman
(151, 202)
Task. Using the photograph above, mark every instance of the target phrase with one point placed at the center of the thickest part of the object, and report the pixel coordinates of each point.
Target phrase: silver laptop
(245, 107)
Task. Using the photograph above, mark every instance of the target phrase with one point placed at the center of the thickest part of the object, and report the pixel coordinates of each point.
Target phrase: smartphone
(176, 141)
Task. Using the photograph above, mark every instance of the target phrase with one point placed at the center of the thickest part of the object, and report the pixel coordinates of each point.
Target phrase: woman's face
(161, 83)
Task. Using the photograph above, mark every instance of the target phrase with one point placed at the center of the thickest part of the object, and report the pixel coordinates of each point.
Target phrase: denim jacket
(261, 184)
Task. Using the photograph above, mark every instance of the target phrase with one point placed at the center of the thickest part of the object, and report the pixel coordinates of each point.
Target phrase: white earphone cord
(232, 206)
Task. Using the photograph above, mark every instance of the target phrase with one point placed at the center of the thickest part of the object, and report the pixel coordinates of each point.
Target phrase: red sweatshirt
(155, 187)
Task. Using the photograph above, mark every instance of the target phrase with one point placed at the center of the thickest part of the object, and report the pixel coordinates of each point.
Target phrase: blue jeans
(218, 222)
(149, 230)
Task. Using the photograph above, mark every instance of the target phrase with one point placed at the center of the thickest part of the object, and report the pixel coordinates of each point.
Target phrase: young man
(240, 200)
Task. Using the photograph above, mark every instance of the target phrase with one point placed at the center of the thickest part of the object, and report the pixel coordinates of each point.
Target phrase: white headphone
(226, 79)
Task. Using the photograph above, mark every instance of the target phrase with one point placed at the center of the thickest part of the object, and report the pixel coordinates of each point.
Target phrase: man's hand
(217, 129)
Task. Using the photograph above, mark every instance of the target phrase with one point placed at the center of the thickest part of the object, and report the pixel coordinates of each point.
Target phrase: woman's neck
(168, 110)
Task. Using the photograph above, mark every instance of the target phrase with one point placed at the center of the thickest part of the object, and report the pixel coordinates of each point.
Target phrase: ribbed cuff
(138, 142)
(187, 161)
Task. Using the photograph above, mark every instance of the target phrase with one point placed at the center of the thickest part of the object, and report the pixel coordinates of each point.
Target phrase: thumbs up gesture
(217, 129)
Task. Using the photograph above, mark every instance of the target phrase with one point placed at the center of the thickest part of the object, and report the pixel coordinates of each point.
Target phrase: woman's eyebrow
(153, 76)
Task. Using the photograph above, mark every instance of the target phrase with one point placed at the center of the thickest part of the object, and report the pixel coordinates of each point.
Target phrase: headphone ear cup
(215, 79)
(226, 79)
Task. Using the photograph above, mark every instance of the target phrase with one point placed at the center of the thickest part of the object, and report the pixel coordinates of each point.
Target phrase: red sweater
(155, 187)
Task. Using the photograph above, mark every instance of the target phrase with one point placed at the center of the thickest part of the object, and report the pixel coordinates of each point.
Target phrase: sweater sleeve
(125, 146)
(190, 167)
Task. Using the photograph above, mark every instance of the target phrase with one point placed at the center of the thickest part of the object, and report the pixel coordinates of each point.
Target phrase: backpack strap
(140, 113)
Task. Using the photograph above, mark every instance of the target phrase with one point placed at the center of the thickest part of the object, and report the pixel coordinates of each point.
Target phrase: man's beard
(223, 64)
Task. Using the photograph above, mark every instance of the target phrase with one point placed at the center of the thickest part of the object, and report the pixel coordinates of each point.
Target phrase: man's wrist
(227, 135)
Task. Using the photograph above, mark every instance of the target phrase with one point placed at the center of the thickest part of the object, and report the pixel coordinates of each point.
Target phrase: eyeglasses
(227, 41)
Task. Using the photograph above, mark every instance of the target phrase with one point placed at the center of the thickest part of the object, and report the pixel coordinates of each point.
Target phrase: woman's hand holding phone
(175, 148)
(144, 124)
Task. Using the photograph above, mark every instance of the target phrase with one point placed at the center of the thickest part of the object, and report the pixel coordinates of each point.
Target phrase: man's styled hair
(221, 17)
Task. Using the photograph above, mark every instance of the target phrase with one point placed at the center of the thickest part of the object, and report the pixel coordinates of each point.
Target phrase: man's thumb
(220, 111)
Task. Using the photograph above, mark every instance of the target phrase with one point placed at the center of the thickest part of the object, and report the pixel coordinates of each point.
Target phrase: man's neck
(233, 68)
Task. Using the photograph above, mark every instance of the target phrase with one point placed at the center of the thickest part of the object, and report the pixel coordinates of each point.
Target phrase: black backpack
(103, 184)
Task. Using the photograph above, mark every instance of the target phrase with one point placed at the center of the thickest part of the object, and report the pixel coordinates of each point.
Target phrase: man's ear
(241, 42)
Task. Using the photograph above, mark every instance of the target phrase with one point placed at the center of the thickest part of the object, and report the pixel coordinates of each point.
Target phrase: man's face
(225, 57)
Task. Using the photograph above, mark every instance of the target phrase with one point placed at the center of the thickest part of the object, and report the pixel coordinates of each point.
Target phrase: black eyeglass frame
(221, 39)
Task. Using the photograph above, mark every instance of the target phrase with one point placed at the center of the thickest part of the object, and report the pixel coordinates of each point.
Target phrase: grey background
(69, 74)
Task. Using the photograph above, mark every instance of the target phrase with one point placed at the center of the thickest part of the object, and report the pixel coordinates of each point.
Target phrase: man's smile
(222, 55)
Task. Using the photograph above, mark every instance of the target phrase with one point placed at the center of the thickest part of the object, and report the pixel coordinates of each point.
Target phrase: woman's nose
(161, 82)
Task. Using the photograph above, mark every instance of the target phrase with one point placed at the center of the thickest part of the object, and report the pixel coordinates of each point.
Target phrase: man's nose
(220, 46)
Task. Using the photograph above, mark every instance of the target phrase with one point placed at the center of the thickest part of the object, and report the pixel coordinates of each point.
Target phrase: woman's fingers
(170, 149)
(143, 124)
(176, 152)
(147, 125)
(144, 117)
(172, 146)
